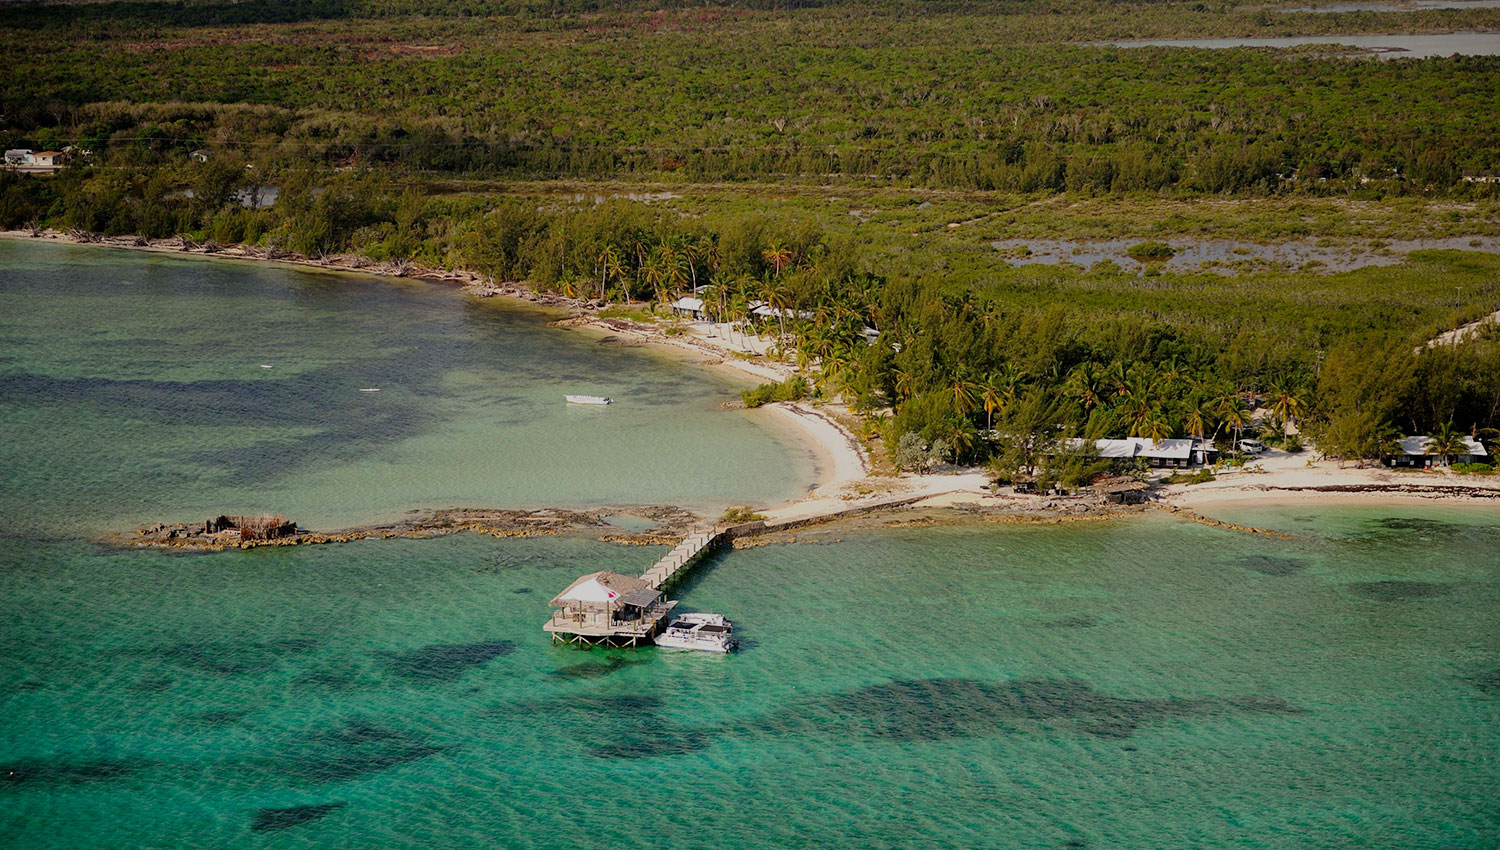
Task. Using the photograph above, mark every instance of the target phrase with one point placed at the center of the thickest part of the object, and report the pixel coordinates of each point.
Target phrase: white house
(1178, 454)
(17, 156)
(1417, 452)
(691, 307)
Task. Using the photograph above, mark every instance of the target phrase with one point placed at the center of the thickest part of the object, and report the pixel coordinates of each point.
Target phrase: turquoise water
(1136, 683)
(1133, 684)
(132, 391)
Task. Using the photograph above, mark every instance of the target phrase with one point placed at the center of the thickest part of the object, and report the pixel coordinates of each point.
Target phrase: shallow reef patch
(1272, 565)
(266, 820)
(1397, 591)
(445, 661)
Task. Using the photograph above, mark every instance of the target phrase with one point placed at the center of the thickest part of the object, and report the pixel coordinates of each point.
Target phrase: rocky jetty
(668, 524)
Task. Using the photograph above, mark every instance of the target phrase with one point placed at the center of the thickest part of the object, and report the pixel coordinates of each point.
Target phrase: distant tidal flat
(1419, 46)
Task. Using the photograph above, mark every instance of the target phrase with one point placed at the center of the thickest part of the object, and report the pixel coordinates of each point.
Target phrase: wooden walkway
(683, 556)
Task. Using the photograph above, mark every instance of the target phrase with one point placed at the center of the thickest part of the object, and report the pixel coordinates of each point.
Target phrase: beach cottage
(691, 307)
(1174, 454)
(1416, 452)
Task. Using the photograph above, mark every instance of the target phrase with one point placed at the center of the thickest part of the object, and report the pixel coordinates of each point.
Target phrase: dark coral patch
(1487, 681)
(593, 670)
(356, 749)
(1421, 526)
(231, 659)
(1396, 591)
(267, 820)
(668, 742)
(1073, 621)
(1272, 565)
(444, 661)
(63, 771)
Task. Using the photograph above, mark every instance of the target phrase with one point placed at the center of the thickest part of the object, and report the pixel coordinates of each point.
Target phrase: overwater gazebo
(609, 609)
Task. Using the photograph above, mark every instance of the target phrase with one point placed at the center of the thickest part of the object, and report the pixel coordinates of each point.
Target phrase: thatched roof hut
(1121, 490)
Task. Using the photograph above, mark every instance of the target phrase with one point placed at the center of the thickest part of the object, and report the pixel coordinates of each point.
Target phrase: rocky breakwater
(668, 524)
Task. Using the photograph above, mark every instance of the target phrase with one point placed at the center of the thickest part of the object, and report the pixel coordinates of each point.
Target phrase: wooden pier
(609, 609)
(682, 557)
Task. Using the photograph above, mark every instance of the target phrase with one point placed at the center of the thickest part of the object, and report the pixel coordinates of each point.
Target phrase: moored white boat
(705, 632)
(587, 399)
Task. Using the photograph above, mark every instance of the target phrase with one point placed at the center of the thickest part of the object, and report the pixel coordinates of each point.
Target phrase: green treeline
(1003, 365)
(977, 96)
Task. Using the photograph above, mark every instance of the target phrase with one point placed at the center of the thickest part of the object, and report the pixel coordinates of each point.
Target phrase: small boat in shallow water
(587, 399)
(370, 389)
(706, 632)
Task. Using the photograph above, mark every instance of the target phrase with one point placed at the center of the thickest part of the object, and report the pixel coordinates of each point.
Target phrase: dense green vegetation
(995, 95)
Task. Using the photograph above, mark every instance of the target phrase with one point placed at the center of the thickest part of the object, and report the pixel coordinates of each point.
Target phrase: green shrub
(1472, 468)
(1200, 476)
(1151, 252)
(740, 513)
(791, 389)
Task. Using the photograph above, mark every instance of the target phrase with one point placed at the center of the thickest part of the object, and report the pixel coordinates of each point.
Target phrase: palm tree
(654, 275)
(1117, 377)
(905, 384)
(962, 391)
(1231, 412)
(778, 255)
(993, 399)
(1156, 428)
(1286, 406)
(962, 439)
(1387, 441)
(1446, 442)
(779, 300)
(1198, 416)
(1086, 383)
(608, 264)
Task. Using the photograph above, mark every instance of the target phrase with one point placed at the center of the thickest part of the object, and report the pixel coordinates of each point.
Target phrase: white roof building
(765, 311)
(689, 304)
(1132, 447)
(1419, 446)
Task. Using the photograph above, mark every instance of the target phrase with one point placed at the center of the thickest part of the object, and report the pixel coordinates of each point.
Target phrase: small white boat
(706, 632)
(587, 399)
(265, 366)
(370, 389)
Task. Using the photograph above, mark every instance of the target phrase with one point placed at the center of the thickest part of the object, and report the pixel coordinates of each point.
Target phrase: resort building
(607, 608)
(1417, 452)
